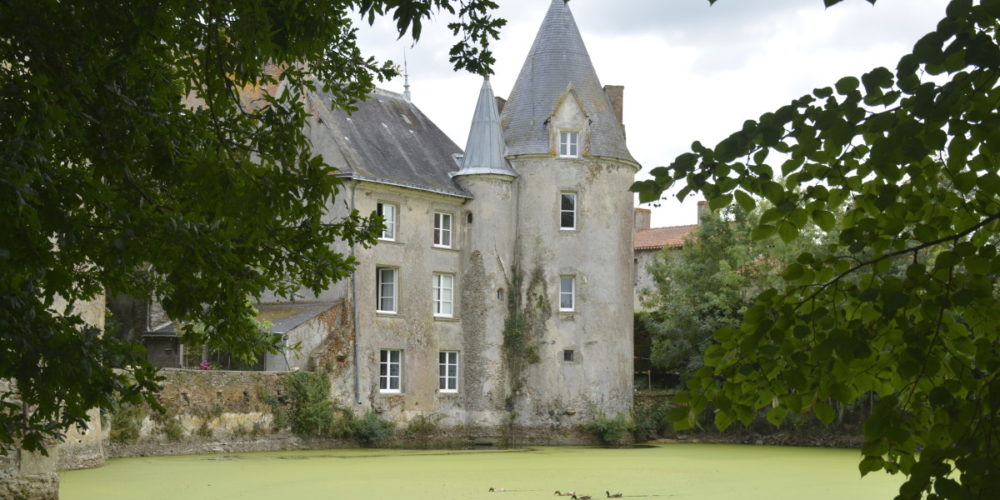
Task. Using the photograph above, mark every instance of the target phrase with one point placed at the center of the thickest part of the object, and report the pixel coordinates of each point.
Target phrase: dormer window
(569, 144)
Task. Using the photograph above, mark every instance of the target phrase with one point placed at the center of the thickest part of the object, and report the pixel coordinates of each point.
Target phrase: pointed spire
(557, 62)
(406, 79)
(485, 152)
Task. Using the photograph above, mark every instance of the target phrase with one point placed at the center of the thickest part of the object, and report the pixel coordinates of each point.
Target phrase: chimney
(702, 210)
(640, 221)
(500, 104)
(616, 94)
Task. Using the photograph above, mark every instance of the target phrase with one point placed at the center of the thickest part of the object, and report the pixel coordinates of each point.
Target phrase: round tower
(487, 260)
(566, 142)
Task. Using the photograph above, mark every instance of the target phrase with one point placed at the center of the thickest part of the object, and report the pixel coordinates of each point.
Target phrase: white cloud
(690, 72)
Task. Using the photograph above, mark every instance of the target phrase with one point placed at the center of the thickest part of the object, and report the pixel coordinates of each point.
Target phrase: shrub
(422, 427)
(612, 431)
(649, 420)
(372, 430)
(126, 422)
(204, 430)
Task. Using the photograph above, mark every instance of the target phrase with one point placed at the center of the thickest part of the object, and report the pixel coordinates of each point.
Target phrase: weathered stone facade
(500, 296)
(524, 360)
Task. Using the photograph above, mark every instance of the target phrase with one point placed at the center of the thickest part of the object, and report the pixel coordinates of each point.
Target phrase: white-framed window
(444, 294)
(448, 371)
(390, 370)
(567, 210)
(569, 144)
(388, 213)
(442, 229)
(387, 289)
(567, 293)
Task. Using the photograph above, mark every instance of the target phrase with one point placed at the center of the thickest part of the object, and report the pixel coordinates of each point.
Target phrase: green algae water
(681, 470)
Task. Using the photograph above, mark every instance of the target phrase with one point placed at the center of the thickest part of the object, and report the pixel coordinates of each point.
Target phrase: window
(567, 210)
(386, 290)
(442, 229)
(569, 144)
(388, 214)
(448, 371)
(390, 370)
(568, 355)
(567, 293)
(444, 286)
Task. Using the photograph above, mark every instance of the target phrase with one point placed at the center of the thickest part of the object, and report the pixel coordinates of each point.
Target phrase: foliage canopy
(134, 161)
(910, 156)
(708, 284)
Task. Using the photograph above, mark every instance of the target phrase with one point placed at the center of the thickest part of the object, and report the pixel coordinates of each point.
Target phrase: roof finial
(406, 79)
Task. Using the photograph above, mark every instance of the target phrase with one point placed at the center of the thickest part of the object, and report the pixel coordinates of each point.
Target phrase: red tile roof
(659, 237)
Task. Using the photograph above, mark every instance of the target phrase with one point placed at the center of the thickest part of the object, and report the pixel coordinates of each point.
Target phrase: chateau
(501, 290)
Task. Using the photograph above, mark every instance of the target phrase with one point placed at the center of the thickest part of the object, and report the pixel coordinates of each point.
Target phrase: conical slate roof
(558, 61)
(485, 151)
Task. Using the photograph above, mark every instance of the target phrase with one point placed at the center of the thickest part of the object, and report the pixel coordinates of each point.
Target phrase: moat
(672, 470)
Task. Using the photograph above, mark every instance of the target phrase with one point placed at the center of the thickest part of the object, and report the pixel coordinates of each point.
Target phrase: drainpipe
(354, 314)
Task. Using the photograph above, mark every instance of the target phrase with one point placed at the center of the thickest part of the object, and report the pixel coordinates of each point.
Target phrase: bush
(126, 422)
(612, 431)
(649, 420)
(372, 430)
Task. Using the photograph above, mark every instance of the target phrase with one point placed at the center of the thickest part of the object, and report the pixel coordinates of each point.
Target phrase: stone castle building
(501, 290)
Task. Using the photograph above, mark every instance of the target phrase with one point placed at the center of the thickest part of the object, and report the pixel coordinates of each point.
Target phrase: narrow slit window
(448, 371)
(444, 295)
(388, 214)
(567, 211)
(567, 293)
(387, 279)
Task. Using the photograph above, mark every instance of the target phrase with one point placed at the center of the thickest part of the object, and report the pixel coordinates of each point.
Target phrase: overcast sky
(690, 71)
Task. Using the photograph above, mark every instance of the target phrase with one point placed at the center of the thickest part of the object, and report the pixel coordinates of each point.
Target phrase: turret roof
(557, 62)
(485, 151)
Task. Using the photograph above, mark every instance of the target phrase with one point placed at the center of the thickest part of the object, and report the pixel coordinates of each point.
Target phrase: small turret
(485, 150)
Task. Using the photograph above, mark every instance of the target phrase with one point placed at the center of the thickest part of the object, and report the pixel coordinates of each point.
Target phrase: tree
(133, 160)
(911, 158)
(708, 284)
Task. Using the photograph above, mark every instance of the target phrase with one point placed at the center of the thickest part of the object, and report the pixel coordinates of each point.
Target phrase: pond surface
(673, 470)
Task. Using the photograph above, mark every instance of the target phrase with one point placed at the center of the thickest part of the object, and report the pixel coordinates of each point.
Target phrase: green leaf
(871, 464)
(824, 412)
(763, 231)
(846, 85)
(745, 201)
(720, 202)
(787, 231)
(824, 219)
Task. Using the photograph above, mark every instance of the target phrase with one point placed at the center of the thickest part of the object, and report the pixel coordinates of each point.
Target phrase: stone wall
(205, 411)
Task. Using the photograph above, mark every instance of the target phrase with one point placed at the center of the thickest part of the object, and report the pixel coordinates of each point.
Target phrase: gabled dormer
(569, 127)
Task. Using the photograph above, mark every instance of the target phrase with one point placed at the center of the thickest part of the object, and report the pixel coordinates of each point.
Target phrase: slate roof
(558, 60)
(659, 237)
(387, 140)
(283, 317)
(485, 151)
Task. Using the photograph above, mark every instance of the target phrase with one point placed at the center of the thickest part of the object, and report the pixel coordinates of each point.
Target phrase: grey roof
(485, 152)
(386, 140)
(558, 61)
(284, 317)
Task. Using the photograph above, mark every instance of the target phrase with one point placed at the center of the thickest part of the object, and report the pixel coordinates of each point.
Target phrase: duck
(612, 495)
(497, 490)
(565, 494)
(584, 497)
